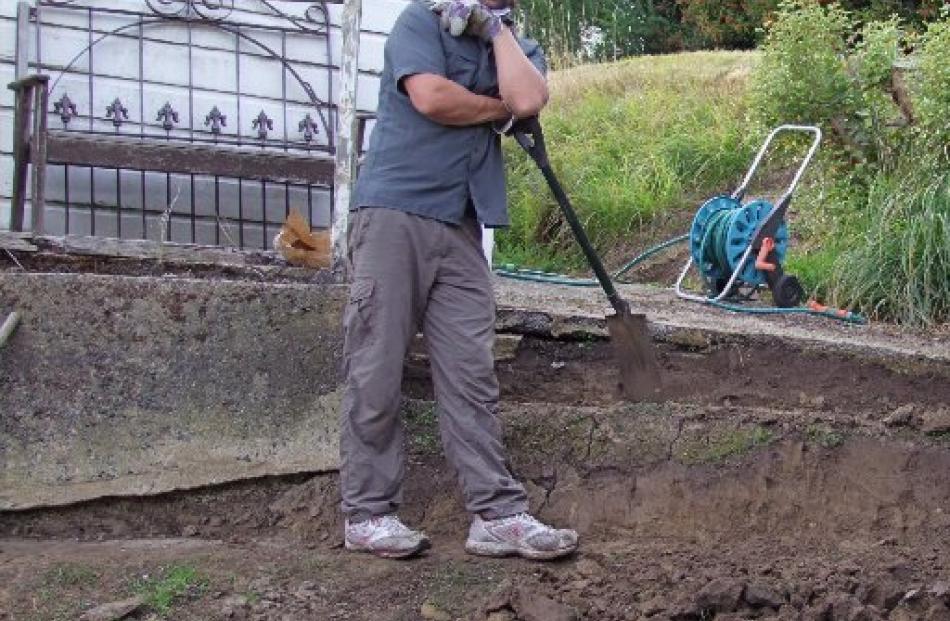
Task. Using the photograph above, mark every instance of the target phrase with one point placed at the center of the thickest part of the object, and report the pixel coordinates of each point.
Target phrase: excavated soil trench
(766, 482)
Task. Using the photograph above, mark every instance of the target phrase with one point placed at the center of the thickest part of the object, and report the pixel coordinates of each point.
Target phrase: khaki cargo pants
(411, 272)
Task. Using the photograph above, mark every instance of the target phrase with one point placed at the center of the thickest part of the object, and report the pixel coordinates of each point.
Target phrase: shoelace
(526, 517)
(392, 523)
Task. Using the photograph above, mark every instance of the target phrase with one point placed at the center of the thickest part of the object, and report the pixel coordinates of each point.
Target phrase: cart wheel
(788, 292)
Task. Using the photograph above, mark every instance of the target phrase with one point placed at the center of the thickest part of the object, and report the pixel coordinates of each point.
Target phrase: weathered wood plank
(135, 154)
(153, 250)
(17, 241)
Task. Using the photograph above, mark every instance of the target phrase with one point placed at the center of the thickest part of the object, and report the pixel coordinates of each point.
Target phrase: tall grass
(900, 267)
(630, 140)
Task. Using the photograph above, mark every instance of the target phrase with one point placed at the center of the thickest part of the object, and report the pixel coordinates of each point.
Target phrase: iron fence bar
(240, 214)
(204, 137)
(217, 210)
(191, 126)
(66, 195)
(118, 201)
(283, 86)
(237, 84)
(264, 212)
(142, 117)
(310, 206)
(92, 171)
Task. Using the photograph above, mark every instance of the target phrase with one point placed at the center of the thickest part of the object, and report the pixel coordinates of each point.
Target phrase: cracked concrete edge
(529, 322)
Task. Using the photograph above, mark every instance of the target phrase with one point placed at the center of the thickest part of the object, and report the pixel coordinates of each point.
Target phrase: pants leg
(392, 272)
(459, 326)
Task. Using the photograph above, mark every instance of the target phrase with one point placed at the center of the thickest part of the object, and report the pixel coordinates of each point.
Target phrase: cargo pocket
(356, 232)
(359, 315)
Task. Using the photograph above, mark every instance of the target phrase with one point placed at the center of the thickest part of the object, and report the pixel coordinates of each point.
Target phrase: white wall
(165, 53)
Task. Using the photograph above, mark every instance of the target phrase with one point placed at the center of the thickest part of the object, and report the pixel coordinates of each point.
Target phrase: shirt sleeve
(415, 45)
(532, 49)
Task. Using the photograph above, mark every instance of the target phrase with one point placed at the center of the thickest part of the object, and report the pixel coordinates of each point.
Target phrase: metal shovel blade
(636, 360)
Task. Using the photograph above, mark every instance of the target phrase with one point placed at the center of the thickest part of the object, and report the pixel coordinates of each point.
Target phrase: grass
(631, 141)
(70, 575)
(422, 423)
(824, 437)
(63, 590)
(726, 445)
(168, 586)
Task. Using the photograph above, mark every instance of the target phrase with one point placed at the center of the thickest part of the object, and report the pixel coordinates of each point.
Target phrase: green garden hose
(509, 270)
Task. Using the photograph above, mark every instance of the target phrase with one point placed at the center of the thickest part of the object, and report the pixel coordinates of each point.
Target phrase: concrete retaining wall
(123, 385)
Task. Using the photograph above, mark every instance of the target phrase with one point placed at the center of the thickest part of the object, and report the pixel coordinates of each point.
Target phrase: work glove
(467, 17)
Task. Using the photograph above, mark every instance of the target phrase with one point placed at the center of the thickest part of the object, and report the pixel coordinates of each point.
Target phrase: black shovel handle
(531, 138)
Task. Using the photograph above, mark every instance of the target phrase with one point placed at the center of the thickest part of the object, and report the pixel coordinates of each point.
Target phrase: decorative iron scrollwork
(315, 18)
(209, 10)
(66, 109)
(309, 128)
(216, 120)
(168, 116)
(117, 112)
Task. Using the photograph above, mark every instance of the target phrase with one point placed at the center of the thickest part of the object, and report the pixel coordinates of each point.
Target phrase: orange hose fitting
(762, 262)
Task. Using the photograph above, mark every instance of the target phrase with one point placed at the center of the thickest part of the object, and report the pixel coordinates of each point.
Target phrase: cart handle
(811, 129)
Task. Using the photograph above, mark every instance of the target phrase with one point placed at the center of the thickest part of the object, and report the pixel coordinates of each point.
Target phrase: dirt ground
(765, 483)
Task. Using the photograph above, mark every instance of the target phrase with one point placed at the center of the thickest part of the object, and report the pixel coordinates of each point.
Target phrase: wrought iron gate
(196, 121)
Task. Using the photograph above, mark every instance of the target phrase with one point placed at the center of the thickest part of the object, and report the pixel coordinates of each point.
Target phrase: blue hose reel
(738, 246)
(722, 230)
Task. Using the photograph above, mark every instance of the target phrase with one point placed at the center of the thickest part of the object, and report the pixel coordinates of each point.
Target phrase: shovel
(633, 347)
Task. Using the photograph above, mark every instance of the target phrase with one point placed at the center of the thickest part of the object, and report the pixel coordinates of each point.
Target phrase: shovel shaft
(581, 235)
(531, 139)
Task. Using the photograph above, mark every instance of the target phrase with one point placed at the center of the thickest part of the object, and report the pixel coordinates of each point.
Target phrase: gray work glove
(467, 17)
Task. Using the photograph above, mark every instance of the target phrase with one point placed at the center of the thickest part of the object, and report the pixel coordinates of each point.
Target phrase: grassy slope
(633, 142)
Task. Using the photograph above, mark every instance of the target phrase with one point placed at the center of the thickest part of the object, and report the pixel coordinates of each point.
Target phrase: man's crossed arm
(523, 89)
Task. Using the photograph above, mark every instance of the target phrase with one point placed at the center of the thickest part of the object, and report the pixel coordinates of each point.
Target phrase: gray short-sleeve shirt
(417, 165)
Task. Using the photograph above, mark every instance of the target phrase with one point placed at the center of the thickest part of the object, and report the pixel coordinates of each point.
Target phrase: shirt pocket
(462, 68)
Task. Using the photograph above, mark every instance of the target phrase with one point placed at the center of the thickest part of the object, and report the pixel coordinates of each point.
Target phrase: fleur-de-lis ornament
(65, 108)
(216, 120)
(309, 128)
(168, 116)
(117, 112)
(262, 124)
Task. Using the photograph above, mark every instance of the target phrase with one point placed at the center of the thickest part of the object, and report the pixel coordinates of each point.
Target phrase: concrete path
(576, 307)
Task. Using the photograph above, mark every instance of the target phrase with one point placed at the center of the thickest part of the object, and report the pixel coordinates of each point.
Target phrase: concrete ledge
(121, 386)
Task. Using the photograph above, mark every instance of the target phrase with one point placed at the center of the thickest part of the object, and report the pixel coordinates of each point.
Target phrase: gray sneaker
(385, 536)
(520, 535)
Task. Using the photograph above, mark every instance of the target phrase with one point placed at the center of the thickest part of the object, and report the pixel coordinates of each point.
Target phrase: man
(454, 73)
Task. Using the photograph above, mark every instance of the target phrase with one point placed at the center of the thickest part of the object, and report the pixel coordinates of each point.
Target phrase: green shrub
(802, 77)
(873, 215)
(933, 102)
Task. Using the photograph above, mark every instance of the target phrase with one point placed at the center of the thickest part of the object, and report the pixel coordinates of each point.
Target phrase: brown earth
(766, 483)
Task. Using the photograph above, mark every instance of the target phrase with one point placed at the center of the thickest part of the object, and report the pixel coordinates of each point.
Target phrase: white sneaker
(520, 535)
(384, 536)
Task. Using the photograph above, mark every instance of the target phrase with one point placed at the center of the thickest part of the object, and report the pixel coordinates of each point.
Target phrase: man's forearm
(522, 87)
(448, 103)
